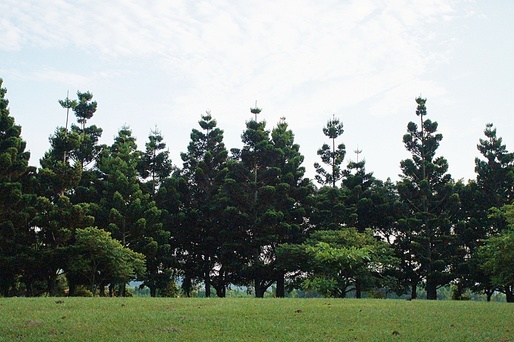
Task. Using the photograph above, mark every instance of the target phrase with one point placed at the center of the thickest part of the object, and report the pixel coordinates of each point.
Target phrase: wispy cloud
(287, 42)
(304, 59)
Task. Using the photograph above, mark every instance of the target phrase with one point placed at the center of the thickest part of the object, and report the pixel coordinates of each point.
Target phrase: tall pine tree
(493, 188)
(16, 235)
(332, 156)
(202, 239)
(293, 199)
(124, 210)
(427, 189)
(270, 195)
(155, 164)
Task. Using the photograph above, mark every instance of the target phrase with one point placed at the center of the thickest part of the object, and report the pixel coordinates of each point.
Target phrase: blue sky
(164, 63)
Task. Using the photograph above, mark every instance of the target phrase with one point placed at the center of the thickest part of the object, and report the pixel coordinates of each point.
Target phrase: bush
(171, 290)
(82, 291)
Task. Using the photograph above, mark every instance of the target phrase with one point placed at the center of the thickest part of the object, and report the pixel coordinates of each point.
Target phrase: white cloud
(305, 60)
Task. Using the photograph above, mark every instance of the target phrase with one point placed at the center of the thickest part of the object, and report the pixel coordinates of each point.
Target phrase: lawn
(249, 319)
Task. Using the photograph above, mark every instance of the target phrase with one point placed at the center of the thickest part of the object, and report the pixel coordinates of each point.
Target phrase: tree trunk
(414, 290)
(207, 276)
(431, 288)
(186, 286)
(257, 287)
(358, 289)
(258, 291)
(153, 291)
(51, 284)
(71, 288)
(219, 284)
(509, 293)
(221, 291)
(458, 291)
(207, 282)
(5, 291)
(280, 291)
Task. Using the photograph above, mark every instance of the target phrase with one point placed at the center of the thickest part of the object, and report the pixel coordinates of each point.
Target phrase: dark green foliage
(496, 255)
(124, 209)
(155, 164)
(385, 209)
(293, 200)
(60, 209)
(493, 188)
(57, 220)
(16, 234)
(14, 159)
(245, 189)
(269, 200)
(357, 186)
(155, 168)
(57, 176)
(495, 174)
(85, 108)
(329, 212)
(80, 143)
(425, 238)
(203, 241)
(331, 156)
(251, 218)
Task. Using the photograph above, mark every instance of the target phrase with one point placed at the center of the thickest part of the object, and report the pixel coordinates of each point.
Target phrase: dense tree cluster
(93, 217)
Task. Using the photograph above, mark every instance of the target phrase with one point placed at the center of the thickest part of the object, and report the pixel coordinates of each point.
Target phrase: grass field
(236, 319)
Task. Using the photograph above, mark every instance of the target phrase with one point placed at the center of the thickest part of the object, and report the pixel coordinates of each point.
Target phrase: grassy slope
(150, 319)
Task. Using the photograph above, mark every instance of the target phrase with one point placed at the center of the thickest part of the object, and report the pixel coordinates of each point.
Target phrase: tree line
(96, 216)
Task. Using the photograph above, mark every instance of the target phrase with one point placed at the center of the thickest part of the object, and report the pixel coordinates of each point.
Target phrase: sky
(162, 64)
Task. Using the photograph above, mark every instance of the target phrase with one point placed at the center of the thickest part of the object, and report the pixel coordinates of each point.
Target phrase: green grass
(233, 319)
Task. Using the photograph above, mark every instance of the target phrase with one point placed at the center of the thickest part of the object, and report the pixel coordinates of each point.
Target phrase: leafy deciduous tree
(497, 257)
(99, 258)
(332, 261)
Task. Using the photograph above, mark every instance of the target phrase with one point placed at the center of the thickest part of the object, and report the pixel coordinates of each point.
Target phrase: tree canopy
(102, 215)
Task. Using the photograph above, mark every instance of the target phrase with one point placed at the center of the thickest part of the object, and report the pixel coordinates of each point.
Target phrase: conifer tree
(155, 168)
(267, 189)
(495, 174)
(357, 188)
(493, 188)
(88, 149)
(124, 210)
(294, 196)
(427, 189)
(332, 156)
(16, 235)
(155, 164)
(202, 240)
(329, 212)
(61, 208)
(251, 182)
